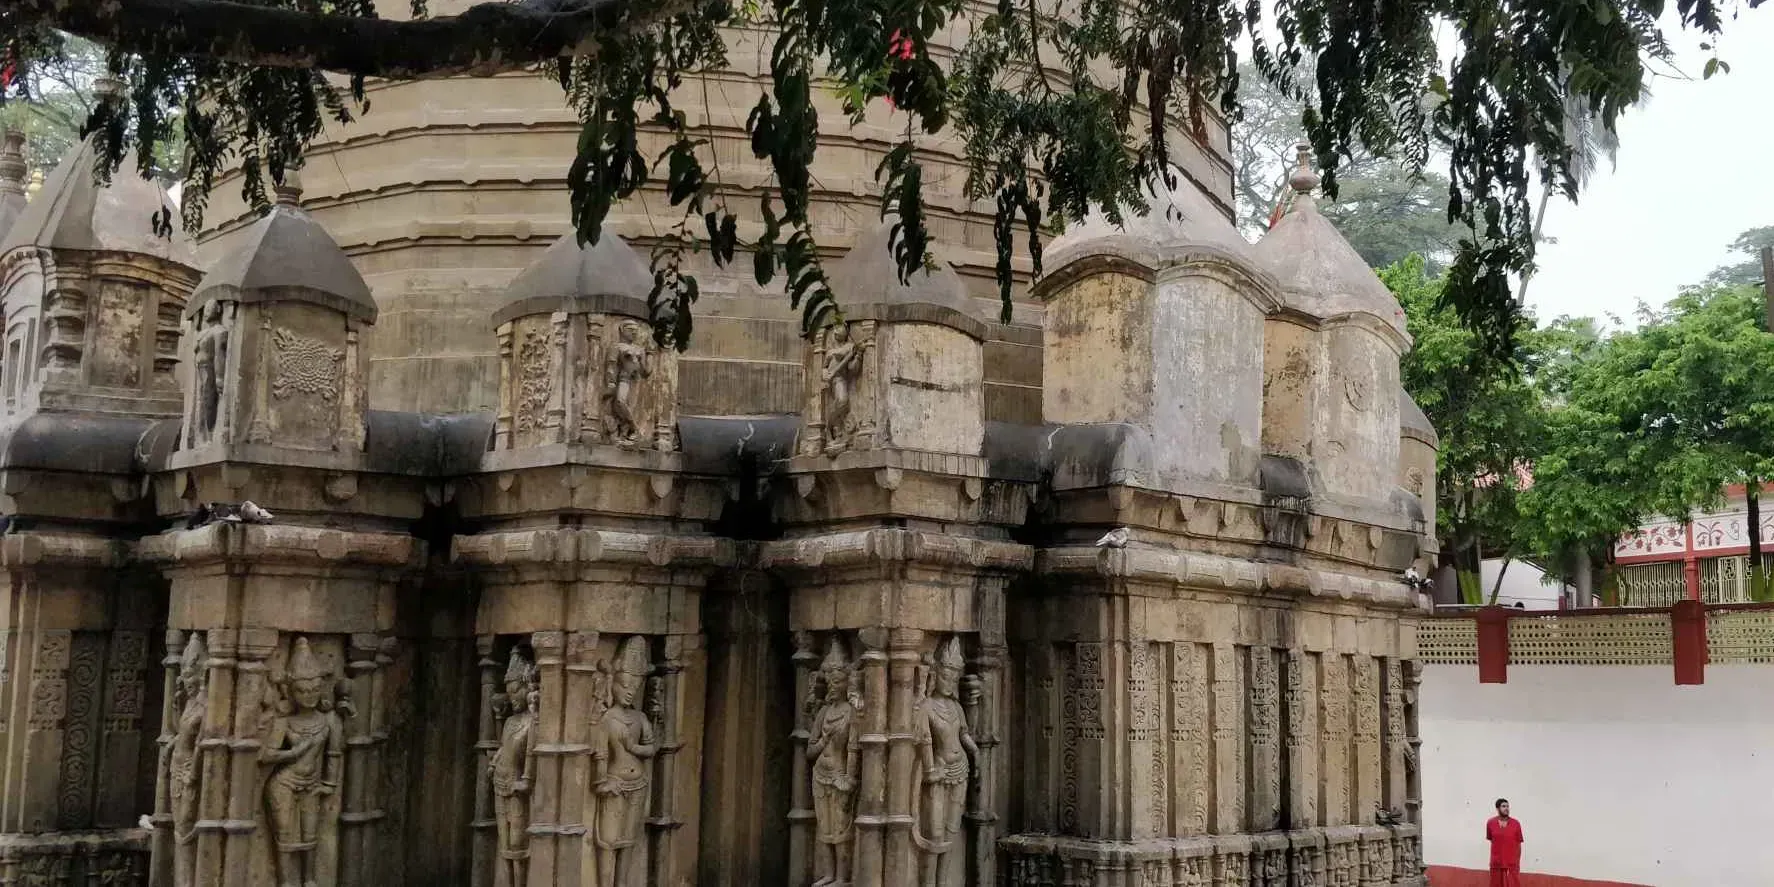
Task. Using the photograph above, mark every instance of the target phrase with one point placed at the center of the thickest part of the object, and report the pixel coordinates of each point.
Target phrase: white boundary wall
(1616, 773)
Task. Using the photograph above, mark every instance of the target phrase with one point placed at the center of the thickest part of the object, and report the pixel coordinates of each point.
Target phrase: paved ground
(1447, 876)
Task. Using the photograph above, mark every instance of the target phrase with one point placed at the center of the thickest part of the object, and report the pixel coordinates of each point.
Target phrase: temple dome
(12, 180)
(608, 277)
(1320, 273)
(73, 211)
(868, 286)
(287, 255)
(1178, 219)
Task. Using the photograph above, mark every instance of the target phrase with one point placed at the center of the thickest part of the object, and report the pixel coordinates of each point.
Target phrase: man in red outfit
(1504, 833)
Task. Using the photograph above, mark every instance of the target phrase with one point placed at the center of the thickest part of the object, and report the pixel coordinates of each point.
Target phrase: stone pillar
(273, 762)
(73, 692)
(614, 620)
(902, 783)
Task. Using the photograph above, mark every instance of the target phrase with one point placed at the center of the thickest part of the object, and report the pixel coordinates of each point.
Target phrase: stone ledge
(587, 546)
(1184, 569)
(895, 545)
(61, 549)
(281, 544)
(1368, 855)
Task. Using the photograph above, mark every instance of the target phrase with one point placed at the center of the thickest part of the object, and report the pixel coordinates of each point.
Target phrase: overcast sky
(1696, 168)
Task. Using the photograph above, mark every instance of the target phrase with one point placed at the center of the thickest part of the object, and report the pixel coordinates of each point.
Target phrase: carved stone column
(614, 622)
(912, 623)
(485, 850)
(73, 692)
(291, 710)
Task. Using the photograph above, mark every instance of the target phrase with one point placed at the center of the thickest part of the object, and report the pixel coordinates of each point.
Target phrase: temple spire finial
(289, 191)
(1304, 180)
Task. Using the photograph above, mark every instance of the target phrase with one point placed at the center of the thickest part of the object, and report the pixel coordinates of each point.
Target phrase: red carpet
(1447, 876)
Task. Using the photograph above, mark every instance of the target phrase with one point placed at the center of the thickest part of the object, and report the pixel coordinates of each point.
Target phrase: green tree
(1386, 211)
(1060, 106)
(56, 102)
(1657, 421)
(1749, 244)
(1490, 420)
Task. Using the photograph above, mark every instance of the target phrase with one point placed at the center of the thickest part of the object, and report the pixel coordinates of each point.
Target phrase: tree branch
(485, 39)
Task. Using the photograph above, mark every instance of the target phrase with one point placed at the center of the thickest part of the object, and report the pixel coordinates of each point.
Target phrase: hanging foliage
(1061, 107)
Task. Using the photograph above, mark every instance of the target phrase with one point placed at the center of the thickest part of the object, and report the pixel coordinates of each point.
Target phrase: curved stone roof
(606, 277)
(1320, 273)
(73, 211)
(867, 284)
(73, 442)
(1413, 422)
(287, 256)
(1176, 220)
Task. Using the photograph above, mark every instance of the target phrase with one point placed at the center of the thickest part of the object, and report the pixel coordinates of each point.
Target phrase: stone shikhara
(639, 619)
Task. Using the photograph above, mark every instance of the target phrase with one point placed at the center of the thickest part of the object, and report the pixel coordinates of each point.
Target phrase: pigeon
(223, 512)
(1383, 816)
(1116, 538)
(1415, 579)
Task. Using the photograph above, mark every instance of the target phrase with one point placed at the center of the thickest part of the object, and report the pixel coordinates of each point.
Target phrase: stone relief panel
(833, 753)
(211, 341)
(181, 757)
(1335, 774)
(303, 751)
(80, 731)
(512, 769)
(121, 309)
(840, 410)
(623, 747)
(1364, 672)
(1264, 729)
(949, 755)
(1189, 733)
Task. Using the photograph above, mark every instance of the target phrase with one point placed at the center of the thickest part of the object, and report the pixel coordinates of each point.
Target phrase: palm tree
(1589, 142)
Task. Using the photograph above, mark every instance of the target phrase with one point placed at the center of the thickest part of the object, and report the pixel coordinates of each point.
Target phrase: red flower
(899, 46)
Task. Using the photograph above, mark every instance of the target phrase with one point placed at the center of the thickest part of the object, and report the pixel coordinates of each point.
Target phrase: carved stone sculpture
(832, 747)
(622, 750)
(628, 366)
(182, 760)
(947, 751)
(843, 364)
(512, 768)
(210, 360)
(305, 748)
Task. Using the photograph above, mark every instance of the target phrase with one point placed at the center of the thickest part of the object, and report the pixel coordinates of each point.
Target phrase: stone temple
(371, 541)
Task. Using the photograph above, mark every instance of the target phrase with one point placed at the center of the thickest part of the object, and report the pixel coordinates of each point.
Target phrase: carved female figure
(304, 746)
(843, 363)
(210, 359)
(182, 771)
(832, 746)
(947, 751)
(622, 749)
(513, 763)
(627, 367)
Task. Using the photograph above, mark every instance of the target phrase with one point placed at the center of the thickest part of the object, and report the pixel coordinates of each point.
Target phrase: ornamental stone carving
(832, 747)
(513, 770)
(210, 363)
(840, 374)
(305, 749)
(630, 365)
(190, 703)
(624, 743)
(947, 754)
